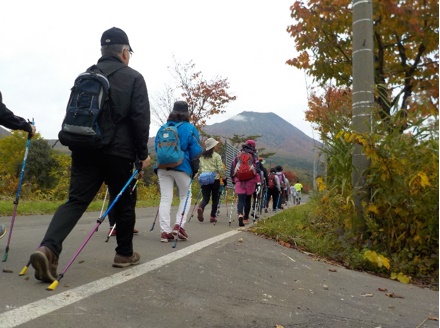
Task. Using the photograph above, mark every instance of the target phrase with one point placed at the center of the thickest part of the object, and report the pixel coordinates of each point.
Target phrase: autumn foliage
(401, 208)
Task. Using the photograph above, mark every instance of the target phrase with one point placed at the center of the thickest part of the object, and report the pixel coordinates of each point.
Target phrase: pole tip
(23, 271)
(53, 285)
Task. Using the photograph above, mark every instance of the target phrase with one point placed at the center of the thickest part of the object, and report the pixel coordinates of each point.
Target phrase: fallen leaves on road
(332, 270)
(8, 271)
(279, 326)
(367, 295)
(392, 295)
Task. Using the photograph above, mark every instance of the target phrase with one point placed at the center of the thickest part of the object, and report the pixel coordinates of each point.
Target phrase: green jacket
(212, 164)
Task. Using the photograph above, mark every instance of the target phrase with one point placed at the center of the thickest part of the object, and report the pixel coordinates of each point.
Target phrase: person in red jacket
(245, 187)
(9, 120)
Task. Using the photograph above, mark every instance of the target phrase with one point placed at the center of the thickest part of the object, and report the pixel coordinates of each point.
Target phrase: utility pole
(362, 100)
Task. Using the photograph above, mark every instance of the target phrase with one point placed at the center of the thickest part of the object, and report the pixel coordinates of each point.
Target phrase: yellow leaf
(383, 261)
(424, 180)
(373, 208)
(404, 279)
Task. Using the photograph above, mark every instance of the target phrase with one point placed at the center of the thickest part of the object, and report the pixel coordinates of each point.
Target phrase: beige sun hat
(210, 143)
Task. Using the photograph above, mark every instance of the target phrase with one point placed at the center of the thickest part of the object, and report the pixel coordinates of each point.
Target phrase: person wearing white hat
(210, 164)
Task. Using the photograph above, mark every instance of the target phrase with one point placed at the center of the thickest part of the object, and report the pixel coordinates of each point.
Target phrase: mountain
(293, 148)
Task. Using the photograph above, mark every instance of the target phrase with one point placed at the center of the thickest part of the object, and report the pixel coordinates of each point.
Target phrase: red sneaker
(166, 237)
(212, 219)
(180, 232)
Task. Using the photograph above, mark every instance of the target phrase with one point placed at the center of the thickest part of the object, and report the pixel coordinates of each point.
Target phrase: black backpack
(88, 123)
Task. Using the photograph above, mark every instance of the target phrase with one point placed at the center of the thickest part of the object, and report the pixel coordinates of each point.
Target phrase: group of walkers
(126, 155)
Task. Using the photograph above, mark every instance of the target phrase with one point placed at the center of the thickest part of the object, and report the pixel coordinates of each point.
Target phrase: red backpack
(271, 182)
(245, 167)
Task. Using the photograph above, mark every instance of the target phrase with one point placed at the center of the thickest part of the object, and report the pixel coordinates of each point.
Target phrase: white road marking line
(37, 309)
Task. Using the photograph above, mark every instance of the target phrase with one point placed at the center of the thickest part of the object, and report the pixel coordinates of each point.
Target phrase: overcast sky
(46, 44)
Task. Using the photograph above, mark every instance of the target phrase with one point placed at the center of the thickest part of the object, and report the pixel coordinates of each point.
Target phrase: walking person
(181, 174)
(293, 194)
(283, 183)
(9, 120)
(273, 190)
(245, 174)
(112, 164)
(258, 196)
(299, 187)
(211, 165)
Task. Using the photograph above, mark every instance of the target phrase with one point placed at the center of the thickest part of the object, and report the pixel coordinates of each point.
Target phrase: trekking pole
(226, 202)
(195, 204)
(217, 212)
(232, 205)
(183, 212)
(155, 218)
(17, 197)
(99, 221)
(114, 226)
(256, 203)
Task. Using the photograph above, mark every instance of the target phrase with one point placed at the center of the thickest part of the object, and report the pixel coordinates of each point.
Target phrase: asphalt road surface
(222, 276)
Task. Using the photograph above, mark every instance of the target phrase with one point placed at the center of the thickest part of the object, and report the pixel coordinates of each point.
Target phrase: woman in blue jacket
(181, 175)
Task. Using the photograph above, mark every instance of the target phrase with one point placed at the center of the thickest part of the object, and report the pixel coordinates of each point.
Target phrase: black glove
(194, 174)
(155, 170)
(225, 182)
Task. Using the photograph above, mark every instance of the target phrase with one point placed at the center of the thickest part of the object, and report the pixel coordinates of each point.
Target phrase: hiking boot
(45, 264)
(200, 214)
(166, 237)
(122, 261)
(2, 230)
(240, 221)
(212, 219)
(112, 233)
(180, 232)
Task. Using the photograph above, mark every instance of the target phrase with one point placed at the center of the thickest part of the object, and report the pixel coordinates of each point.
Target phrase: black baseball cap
(115, 36)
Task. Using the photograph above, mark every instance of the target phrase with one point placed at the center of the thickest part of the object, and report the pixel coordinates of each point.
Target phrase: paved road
(222, 276)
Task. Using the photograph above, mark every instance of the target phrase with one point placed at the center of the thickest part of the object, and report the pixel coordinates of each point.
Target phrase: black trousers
(244, 205)
(211, 191)
(90, 169)
(274, 194)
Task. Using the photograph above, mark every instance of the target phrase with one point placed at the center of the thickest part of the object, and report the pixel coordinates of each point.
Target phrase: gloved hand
(225, 182)
(155, 170)
(194, 174)
(258, 188)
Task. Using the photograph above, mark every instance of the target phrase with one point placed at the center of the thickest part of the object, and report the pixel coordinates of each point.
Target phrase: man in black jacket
(13, 122)
(112, 164)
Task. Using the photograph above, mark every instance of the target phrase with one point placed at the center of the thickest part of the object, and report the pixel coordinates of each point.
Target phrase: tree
(405, 48)
(162, 105)
(205, 97)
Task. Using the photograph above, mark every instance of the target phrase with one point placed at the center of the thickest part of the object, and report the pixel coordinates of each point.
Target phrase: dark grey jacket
(130, 107)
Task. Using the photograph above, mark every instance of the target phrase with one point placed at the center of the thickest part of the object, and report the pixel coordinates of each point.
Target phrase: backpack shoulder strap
(108, 72)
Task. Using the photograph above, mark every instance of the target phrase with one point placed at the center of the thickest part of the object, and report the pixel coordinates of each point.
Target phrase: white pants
(166, 184)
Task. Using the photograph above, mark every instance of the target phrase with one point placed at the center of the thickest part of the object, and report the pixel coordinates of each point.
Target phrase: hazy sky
(46, 44)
